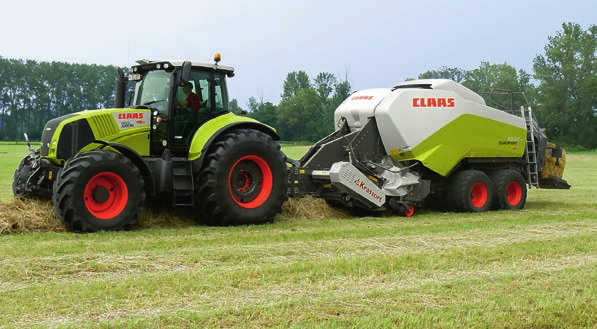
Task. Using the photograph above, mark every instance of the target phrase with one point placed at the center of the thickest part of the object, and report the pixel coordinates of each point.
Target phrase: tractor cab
(181, 96)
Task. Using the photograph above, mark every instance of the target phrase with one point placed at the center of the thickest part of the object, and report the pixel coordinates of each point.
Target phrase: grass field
(10, 156)
(535, 268)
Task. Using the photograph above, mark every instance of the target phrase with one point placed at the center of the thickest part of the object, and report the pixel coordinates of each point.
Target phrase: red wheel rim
(513, 193)
(106, 195)
(410, 210)
(250, 182)
(479, 195)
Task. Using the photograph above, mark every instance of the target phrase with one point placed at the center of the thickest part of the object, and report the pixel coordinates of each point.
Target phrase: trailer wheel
(509, 190)
(99, 191)
(243, 180)
(470, 191)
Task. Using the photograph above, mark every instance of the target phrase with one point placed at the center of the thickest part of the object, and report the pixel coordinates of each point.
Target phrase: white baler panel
(359, 107)
(405, 118)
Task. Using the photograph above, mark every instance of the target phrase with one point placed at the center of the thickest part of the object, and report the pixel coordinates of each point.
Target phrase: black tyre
(470, 191)
(99, 191)
(406, 210)
(243, 180)
(21, 178)
(509, 190)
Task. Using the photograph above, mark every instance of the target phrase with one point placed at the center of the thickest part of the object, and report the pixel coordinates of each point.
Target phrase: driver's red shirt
(193, 101)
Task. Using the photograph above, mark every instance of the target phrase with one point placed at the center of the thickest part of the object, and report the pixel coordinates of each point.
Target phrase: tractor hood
(65, 136)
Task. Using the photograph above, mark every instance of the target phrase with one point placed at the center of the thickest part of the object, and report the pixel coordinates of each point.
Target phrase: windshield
(152, 90)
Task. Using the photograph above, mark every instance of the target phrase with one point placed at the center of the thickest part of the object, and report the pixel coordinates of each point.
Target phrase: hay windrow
(19, 216)
(309, 208)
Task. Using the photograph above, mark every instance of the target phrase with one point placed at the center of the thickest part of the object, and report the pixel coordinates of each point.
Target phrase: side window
(221, 94)
(204, 90)
(219, 101)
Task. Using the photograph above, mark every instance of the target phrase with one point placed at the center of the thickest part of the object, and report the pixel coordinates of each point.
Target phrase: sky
(371, 43)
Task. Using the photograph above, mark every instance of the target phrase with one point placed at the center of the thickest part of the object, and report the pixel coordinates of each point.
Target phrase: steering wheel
(179, 109)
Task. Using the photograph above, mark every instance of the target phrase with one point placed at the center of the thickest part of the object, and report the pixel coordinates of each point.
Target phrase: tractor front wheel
(99, 191)
(243, 180)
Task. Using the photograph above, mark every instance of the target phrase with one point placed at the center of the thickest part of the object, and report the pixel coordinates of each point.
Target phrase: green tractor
(99, 167)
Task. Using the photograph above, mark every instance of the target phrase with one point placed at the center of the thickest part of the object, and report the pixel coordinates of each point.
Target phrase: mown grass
(10, 156)
(534, 268)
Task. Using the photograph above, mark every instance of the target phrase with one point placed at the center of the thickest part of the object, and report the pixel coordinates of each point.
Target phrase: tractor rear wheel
(470, 191)
(509, 190)
(99, 191)
(243, 180)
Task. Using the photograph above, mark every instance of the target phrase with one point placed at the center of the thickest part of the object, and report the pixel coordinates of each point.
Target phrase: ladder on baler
(531, 148)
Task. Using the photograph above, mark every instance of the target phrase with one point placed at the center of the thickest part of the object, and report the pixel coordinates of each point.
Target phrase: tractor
(99, 167)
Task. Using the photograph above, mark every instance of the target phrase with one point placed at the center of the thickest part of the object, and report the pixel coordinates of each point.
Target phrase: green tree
(295, 81)
(567, 75)
(492, 80)
(263, 112)
(324, 84)
(233, 106)
(302, 117)
(31, 93)
(444, 72)
(341, 92)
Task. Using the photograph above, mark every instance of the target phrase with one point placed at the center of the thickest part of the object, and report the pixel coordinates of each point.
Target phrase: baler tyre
(509, 190)
(99, 191)
(470, 191)
(407, 210)
(243, 180)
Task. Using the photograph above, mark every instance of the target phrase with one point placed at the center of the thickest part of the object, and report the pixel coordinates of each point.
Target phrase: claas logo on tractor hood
(131, 120)
(434, 102)
(124, 116)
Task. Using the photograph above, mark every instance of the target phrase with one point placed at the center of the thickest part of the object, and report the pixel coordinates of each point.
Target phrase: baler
(428, 141)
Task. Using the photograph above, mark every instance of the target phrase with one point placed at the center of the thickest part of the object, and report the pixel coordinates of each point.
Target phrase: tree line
(31, 93)
(562, 89)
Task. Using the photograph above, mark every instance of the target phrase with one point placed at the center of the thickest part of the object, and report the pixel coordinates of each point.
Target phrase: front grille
(48, 133)
(74, 136)
(104, 125)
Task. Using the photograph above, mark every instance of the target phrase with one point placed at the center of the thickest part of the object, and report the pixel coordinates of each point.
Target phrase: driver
(194, 103)
(192, 99)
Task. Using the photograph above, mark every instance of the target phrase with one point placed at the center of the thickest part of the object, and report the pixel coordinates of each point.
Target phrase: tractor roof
(146, 65)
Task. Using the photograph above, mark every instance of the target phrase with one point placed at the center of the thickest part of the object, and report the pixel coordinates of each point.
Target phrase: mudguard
(211, 130)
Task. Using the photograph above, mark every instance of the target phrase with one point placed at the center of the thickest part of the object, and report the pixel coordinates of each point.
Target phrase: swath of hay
(19, 216)
(27, 216)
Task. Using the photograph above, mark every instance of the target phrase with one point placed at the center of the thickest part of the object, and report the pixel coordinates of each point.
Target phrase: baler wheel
(99, 190)
(406, 210)
(470, 191)
(243, 180)
(509, 190)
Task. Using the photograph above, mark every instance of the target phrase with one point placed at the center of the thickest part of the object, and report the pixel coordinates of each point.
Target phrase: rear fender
(211, 130)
